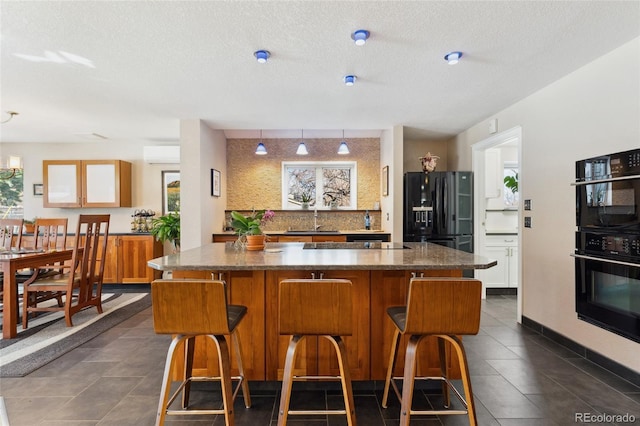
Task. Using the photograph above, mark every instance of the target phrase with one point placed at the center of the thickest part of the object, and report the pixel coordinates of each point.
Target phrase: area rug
(48, 337)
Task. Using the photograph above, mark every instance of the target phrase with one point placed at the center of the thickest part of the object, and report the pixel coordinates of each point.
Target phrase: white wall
(201, 149)
(146, 178)
(595, 110)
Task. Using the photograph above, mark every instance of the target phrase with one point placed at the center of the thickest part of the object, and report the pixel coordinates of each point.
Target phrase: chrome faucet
(315, 219)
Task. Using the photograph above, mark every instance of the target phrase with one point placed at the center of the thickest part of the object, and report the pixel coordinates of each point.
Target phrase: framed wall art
(38, 189)
(170, 192)
(385, 180)
(215, 183)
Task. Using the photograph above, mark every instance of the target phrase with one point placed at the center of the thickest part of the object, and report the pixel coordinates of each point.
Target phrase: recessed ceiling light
(453, 57)
(262, 55)
(360, 37)
(350, 80)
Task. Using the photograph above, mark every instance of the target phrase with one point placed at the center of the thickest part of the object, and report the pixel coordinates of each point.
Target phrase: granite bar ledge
(293, 256)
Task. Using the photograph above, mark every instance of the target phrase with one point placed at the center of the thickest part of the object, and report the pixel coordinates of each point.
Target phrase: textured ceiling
(131, 70)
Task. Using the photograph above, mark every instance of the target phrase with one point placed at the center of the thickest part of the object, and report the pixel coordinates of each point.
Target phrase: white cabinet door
(100, 180)
(62, 183)
(503, 248)
(496, 276)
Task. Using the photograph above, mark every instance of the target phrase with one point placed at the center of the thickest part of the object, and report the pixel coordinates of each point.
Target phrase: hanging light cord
(11, 114)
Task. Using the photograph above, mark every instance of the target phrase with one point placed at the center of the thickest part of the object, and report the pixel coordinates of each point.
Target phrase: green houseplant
(167, 228)
(511, 182)
(250, 234)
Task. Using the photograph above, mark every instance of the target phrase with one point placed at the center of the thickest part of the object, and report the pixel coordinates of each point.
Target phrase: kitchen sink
(312, 231)
(355, 246)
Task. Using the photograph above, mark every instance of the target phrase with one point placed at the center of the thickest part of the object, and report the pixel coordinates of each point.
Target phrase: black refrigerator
(438, 208)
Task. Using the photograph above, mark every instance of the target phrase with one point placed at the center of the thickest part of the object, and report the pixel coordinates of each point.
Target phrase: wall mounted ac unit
(161, 154)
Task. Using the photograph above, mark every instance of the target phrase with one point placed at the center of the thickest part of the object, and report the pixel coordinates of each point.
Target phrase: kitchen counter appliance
(607, 253)
(439, 210)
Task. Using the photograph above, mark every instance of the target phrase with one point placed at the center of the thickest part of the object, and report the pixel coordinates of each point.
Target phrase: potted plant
(511, 182)
(306, 199)
(248, 228)
(29, 226)
(167, 228)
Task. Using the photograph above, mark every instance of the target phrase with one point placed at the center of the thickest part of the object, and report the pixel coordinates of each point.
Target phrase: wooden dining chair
(10, 238)
(81, 282)
(48, 234)
(11, 233)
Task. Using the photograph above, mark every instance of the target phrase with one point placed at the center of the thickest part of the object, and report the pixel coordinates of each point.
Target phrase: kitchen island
(380, 274)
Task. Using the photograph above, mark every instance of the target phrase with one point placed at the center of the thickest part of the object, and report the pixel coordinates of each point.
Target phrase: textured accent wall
(254, 181)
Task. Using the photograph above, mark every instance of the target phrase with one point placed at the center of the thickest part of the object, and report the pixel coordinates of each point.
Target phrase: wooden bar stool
(311, 307)
(445, 308)
(186, 309)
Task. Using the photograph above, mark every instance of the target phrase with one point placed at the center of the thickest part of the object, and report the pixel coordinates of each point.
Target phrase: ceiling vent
(162, 154)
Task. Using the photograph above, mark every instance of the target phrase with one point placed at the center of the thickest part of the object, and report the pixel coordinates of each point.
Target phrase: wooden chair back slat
(11, 233)
(443, 306)
(315, 307)
(91, 236)
(50, 233)
(189, 307)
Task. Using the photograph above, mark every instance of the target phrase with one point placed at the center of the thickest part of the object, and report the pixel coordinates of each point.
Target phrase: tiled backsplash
(328, 220)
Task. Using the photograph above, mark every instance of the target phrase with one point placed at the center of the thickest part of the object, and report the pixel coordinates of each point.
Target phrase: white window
(318, 184)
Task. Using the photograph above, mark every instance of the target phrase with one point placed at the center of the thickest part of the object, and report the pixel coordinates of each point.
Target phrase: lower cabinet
(127, 257)
(503, 248)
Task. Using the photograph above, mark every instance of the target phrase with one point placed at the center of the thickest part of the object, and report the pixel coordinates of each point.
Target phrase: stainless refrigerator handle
(445, 201)
(600, 259)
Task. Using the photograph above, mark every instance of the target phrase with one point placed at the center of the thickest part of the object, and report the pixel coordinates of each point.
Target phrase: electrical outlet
(527, 222)
(527, 204)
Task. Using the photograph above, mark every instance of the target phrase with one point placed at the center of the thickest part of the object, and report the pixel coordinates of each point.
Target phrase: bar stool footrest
(438, 378)
(314, 412)
(238, 379)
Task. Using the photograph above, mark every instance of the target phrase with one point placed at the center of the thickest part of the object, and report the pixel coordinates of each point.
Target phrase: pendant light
(302, 148)
(343, 149)
(261, 149)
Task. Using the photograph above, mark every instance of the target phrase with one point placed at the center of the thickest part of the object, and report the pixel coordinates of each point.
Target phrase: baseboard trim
(501, 291)
(598, 359)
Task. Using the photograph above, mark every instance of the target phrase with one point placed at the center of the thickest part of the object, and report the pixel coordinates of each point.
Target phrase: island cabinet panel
(245, 288)
(390, 288)
(317, 355)
(358, 344)
(127, 257)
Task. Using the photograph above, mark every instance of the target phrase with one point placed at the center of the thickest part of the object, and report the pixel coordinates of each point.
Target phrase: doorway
(498, 210)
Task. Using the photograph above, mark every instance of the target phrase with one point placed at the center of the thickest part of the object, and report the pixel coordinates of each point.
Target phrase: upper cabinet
(87, 183)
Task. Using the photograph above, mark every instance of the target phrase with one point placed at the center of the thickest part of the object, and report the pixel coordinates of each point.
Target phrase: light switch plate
(527, 204)
(527, 222)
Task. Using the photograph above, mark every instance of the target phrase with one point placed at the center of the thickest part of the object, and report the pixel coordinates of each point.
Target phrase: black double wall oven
(607, 253)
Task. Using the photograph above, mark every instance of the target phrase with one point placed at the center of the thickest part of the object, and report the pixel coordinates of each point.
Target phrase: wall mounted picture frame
(170, 191)
(215, 183)
(385, 181)
(38, 189)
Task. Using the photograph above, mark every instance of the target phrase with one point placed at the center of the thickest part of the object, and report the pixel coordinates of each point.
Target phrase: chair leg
(466, 378)
(345, 378)
(189, 349)
(442, 352)
(166, 379)
(409, 376)
(245, 384)
(395, 343)
(224, 363)
(287, 379)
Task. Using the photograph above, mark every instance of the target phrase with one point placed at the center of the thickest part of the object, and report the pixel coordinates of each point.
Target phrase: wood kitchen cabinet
(127, 257)
(86, 183)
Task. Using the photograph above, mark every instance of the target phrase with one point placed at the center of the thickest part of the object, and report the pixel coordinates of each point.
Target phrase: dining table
(12, 261)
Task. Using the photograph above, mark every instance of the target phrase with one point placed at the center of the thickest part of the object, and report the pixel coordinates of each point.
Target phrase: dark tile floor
(518, 378)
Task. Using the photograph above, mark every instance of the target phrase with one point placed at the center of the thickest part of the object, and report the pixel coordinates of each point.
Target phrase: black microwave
(608, 192)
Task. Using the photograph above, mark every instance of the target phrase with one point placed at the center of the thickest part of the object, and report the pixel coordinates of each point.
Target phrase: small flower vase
(304, 206)
(255, 242)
